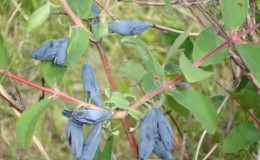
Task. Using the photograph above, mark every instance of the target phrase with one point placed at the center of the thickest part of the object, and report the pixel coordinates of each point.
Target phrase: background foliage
(226, 78)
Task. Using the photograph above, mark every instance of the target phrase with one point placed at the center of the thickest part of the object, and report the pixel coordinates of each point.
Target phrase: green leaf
(4, 55)
(250, 55)
(100, 30)
(27, 123)
(97, 154)
(217, 100)
(135, 114)
(119, 100)
(149, 83)
(81, 8)
(170, 102)
(107, 151)
(241, 136)
(247, 98)
(192, 73)
(177, 43)
(150, 61)
(206, 42)
(200, 106)
(77, 46)
(38, 17)
(234, 13)
(133, 70)
(52, 73)
(171, 67)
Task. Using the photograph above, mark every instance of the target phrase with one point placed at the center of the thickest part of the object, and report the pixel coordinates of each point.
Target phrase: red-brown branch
(53, 92)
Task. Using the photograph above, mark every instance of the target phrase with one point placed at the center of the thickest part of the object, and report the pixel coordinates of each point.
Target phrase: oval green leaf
(99, 30)
(206, 42)
(52, 73)
(192, 73)
(234, 13)
(241, 136)
(78, 44)
(133, 70)
(81, 8)
(250, 55)
(27, 123)
(38, 17)
(200, 106)
(149, 83)
(150, 61)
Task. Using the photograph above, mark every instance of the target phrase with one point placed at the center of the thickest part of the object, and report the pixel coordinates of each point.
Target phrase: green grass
(20, 43)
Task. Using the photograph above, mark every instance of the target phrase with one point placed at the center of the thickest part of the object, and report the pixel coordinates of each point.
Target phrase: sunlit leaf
(52, 73)
(150, 61)
(177, 43)
(77, 46)
(201, 107)
(250, 55)
(133, 70)
(81, 8)
(38, 17)
(234, 13)
(206, 42)
(241, 136)
(149, 83)
(119, 100)
(192, 73)
(99, 30)
(27, 123)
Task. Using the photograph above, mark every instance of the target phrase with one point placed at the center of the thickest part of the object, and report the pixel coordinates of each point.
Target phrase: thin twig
(183, 146)
(106, 10)
(175, 123)
(205, 132)
(163, 28)
(74, 17)
(53, 92)
(105, 65)
(257, 121)
(113, 86)
(211, 151)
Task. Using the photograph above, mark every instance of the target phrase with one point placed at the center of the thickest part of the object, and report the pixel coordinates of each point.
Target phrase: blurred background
(14, 15)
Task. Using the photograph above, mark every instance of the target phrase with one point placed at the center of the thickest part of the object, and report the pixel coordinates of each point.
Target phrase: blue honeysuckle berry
(55, 49)
(129, 27)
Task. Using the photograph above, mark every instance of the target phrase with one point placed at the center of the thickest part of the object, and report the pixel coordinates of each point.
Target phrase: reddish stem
(54, 92)
(124, 121)
(106, 67)
(257, 121)
(197, 64)
(74, 17)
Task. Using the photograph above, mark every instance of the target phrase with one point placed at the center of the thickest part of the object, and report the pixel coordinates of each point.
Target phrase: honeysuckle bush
(212, 103)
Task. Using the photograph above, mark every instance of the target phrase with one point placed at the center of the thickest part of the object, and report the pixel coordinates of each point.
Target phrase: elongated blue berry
(62, 53)
(90, 84)
(147, 134)
(164, 129)
(160, 150)
(55, 49)
(75, 134)
(87, 116)
(92, 142)
(95, 10)
(128, 28)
